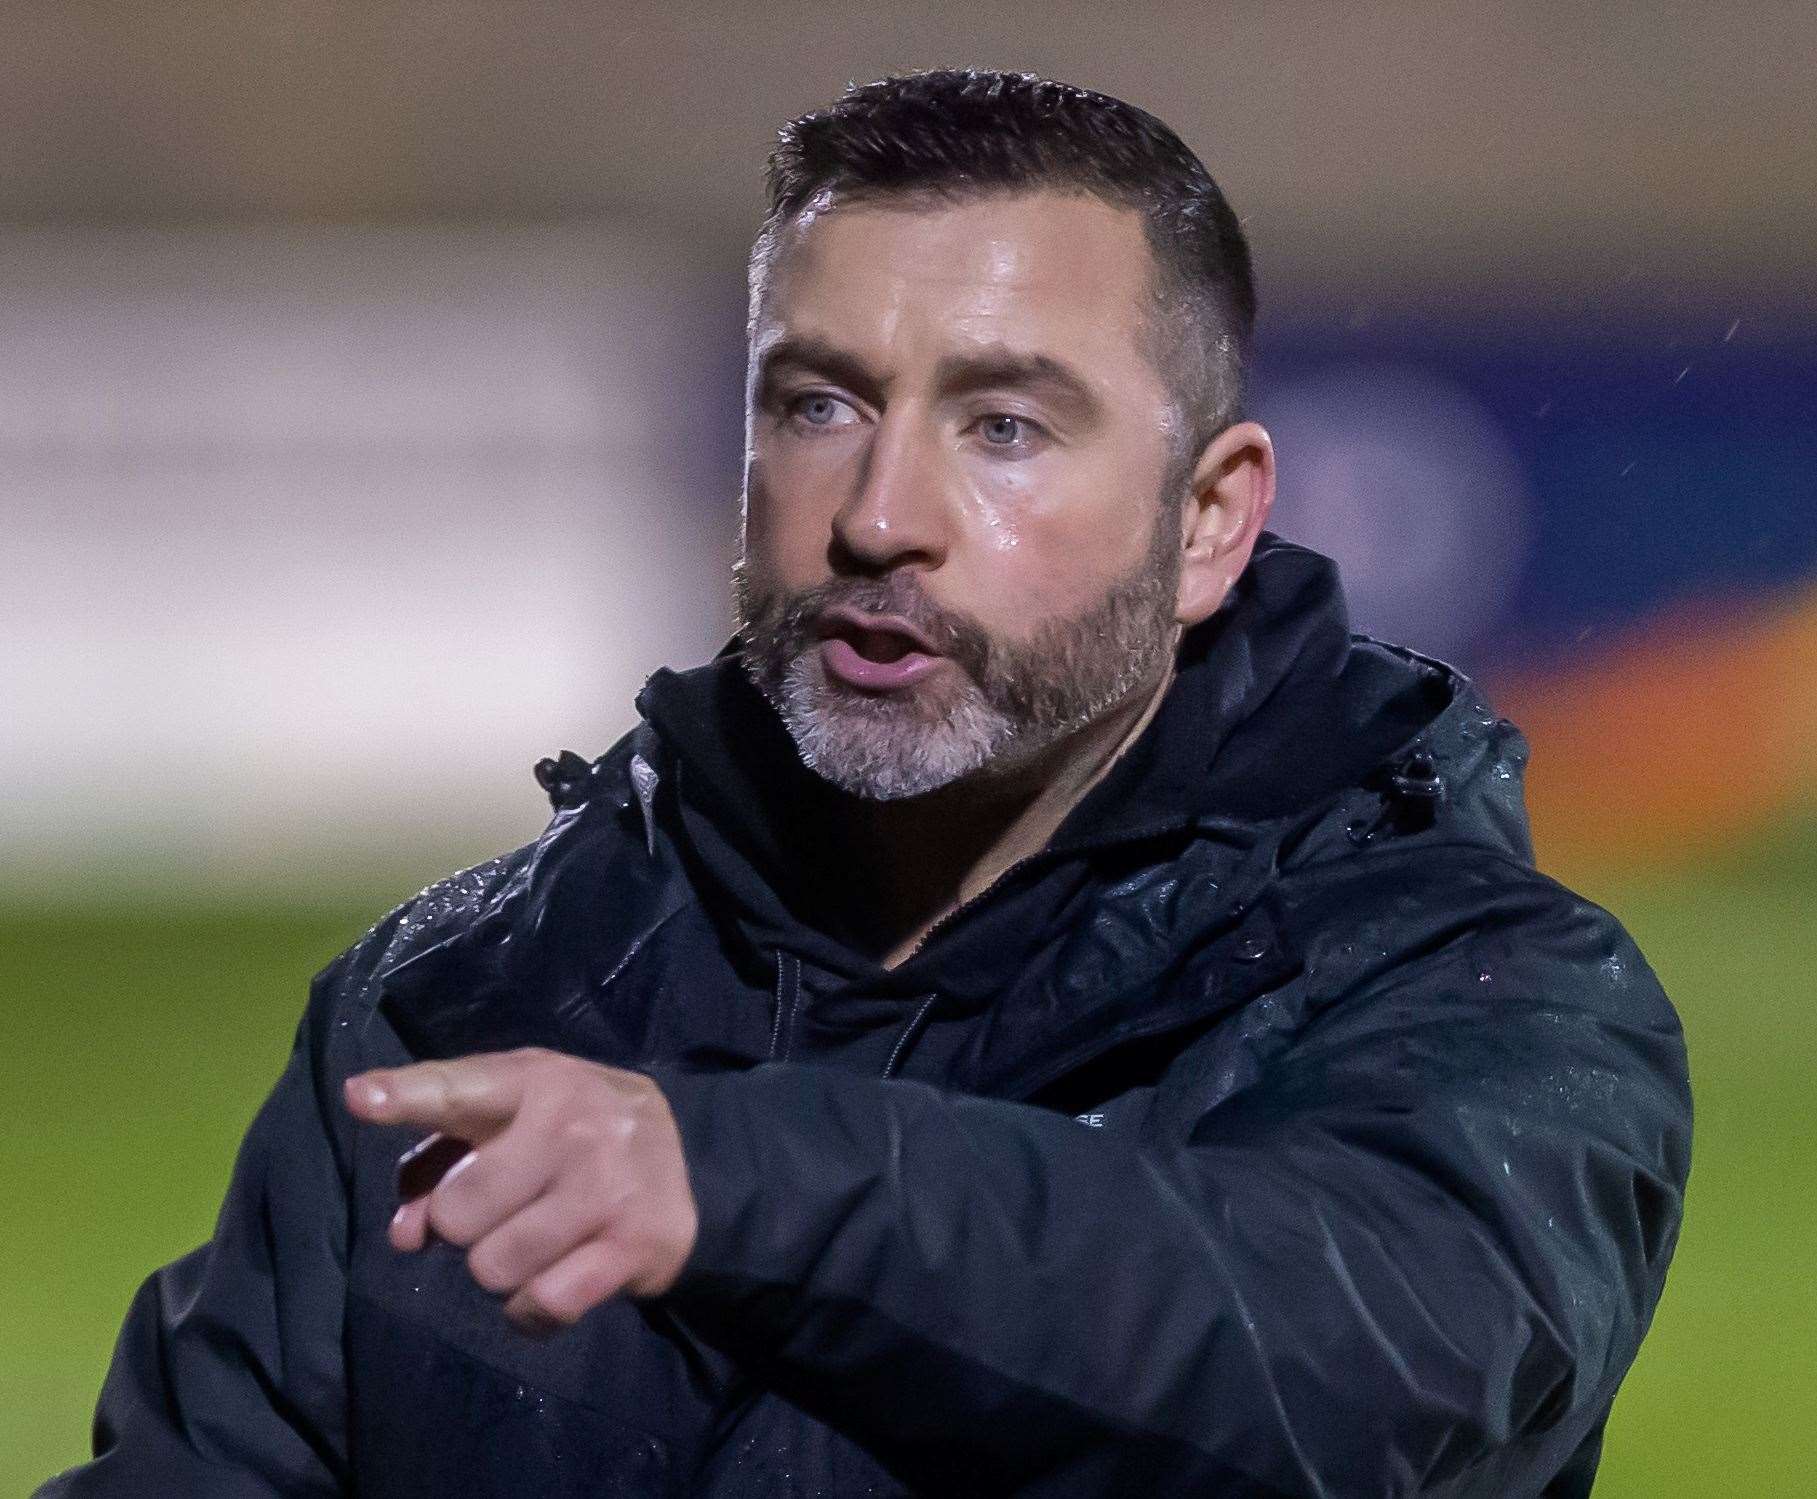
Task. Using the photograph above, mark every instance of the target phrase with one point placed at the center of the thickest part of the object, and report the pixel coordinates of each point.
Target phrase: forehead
(1063, 274)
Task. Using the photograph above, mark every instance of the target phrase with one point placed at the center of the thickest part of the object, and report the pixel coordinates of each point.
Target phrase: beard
(1010, 700)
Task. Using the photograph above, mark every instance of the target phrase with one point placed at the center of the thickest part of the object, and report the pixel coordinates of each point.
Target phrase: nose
(895, 515)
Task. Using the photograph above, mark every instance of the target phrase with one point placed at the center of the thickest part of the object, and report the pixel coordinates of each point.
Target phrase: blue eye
(817, 409)
(1002, 430)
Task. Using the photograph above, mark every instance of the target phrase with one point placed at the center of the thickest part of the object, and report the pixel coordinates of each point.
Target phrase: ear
(1231, 494)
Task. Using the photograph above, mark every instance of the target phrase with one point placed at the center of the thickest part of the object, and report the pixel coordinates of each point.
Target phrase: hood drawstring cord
(788, 1001)
(788, 996)
(909, 1033)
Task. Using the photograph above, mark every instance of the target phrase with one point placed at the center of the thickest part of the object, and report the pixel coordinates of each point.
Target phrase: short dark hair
(956, 132)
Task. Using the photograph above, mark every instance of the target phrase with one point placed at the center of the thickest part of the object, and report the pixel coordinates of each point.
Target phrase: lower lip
(843, 661)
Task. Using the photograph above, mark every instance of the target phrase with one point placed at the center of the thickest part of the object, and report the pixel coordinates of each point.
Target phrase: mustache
(789, 618)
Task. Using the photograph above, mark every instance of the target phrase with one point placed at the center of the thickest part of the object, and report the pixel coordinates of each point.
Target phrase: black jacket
(1277, 1130)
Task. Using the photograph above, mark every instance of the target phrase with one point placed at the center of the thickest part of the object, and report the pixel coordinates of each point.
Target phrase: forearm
(986, 1292)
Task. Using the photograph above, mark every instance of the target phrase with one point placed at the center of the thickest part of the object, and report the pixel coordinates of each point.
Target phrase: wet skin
(957, 392)
(960, 391)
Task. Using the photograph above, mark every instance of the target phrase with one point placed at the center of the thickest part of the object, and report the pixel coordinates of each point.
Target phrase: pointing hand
(569, 1187)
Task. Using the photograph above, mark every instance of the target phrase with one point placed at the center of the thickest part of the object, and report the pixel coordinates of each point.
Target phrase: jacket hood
(1278, 714)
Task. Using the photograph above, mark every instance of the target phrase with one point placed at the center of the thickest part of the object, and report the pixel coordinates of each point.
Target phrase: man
(1048, 1011)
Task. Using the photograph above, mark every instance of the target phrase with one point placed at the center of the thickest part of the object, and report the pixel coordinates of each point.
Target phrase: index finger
(472, 1097)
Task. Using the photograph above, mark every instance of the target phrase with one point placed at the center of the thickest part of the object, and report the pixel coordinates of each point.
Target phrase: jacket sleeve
(1415, 1256)
(227, 1378)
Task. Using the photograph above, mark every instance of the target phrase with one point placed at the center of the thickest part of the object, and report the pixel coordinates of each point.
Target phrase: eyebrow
(993, 367)
(999, 367)
(816, 356)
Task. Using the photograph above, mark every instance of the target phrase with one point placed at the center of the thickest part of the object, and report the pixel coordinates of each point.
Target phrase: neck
(913, 862)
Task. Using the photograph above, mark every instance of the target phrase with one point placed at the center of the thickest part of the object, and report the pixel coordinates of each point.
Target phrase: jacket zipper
(1021, 864)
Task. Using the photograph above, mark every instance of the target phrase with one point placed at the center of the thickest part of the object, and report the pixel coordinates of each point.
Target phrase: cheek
(1048, 538)
(1007, 506)
(788, 510)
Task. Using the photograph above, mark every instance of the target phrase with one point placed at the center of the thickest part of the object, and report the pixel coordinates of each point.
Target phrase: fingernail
(372, 1094)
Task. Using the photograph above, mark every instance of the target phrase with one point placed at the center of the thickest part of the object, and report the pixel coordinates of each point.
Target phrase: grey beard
(1012, 701)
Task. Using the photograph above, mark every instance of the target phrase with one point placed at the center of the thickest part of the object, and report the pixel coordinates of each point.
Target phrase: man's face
(956, 548)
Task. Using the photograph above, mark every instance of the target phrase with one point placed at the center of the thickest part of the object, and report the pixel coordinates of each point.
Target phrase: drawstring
(788, 995)
(788, 1001)
(909, 1031)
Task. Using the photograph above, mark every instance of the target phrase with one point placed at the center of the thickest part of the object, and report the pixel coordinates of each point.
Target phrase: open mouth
(876, 637)
(878, 645)
(872, 652)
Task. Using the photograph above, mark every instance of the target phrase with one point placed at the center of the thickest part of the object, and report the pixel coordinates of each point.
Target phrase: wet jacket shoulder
(1278, 1130)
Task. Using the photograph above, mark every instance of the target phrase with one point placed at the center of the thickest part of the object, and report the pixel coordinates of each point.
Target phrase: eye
(1002, 429)
(817, 409)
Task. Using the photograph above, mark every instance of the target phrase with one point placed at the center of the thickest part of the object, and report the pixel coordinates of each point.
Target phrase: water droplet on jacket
(1483, 975)
(1507, 1170)
(1252, 948)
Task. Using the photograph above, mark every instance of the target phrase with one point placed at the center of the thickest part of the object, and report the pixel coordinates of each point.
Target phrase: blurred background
(369, 426)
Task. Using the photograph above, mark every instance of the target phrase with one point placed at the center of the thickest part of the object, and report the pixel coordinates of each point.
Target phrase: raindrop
(1252, 948)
